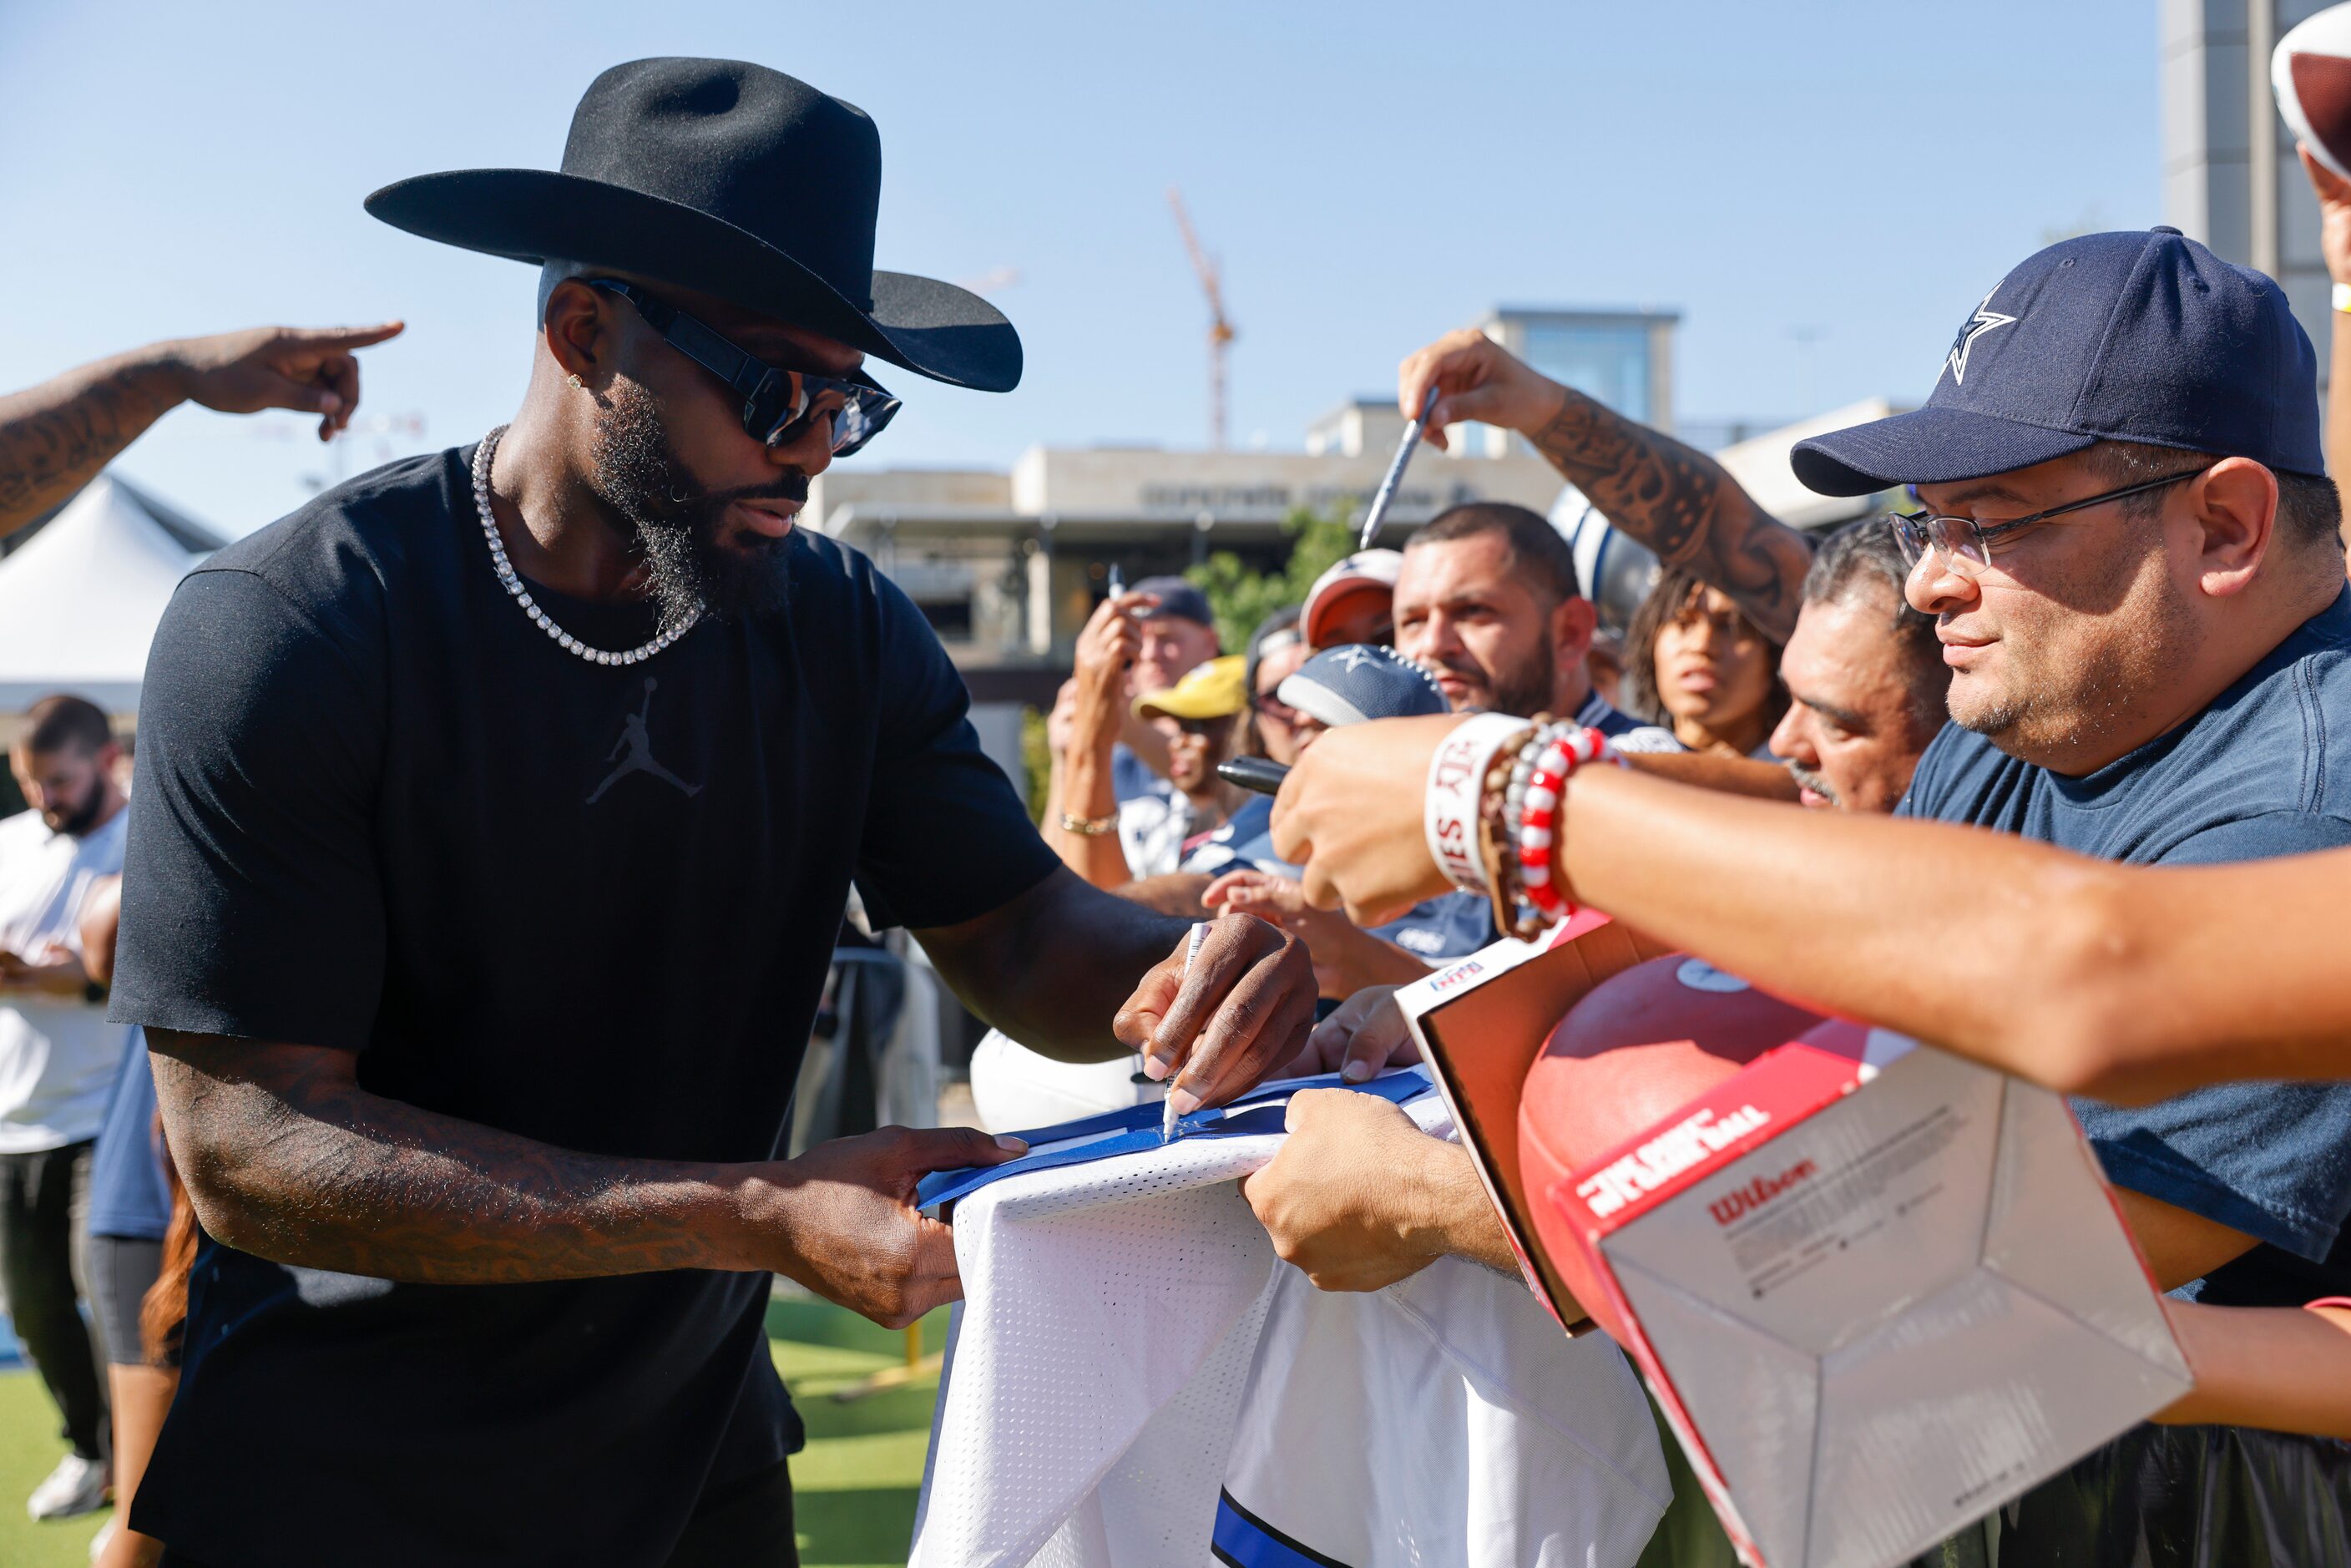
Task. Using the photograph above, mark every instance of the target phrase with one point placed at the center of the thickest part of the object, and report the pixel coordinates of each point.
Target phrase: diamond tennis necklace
(511, 580)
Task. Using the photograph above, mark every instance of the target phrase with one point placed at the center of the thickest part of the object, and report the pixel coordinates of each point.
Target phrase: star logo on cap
(1983, 321)
(1354, 656)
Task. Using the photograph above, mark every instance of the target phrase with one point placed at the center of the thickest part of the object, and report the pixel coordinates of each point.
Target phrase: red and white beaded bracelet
(1539, 814)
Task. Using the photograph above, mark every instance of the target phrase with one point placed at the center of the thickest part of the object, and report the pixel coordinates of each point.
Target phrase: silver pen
(1191, 951)
(1387, 492)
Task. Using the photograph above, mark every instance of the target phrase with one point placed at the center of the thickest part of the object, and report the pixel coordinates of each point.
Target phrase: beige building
(1007, 565)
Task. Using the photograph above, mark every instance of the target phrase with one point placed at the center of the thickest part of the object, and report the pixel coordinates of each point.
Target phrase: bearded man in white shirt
(59, 1057)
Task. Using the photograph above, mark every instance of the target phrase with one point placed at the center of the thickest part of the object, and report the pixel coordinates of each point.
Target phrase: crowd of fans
(1764, 663)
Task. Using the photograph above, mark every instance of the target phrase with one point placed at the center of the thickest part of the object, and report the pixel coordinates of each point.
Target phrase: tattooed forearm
(1684, 506)
(287, 1158)
(54, 437)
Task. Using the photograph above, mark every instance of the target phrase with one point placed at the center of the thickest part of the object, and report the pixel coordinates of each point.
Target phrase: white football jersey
(1134, 1380)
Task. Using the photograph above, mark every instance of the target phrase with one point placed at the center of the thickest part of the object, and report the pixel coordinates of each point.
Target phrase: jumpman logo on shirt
(639, 747)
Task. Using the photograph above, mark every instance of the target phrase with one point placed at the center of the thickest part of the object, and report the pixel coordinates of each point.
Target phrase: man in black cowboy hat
(496, 817)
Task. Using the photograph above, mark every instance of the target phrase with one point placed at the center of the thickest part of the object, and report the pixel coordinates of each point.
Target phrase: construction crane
(1220, 331)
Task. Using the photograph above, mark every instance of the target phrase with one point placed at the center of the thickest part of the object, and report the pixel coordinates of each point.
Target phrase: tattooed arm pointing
(1673, 498)
(54, 437)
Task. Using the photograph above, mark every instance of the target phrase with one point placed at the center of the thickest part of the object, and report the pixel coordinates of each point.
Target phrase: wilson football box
(1877, 1291)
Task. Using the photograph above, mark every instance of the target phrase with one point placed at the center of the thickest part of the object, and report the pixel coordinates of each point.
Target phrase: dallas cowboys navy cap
(1361, 682)
(2109, 336)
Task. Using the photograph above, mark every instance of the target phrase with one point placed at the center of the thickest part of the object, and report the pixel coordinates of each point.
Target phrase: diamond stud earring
(574, 378)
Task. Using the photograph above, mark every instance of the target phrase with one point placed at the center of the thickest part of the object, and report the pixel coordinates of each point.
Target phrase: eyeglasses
(1964, 545)
(779, 405)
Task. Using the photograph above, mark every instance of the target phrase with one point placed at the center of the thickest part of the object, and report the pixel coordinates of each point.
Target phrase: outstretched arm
(286, 1157)
(2022, 957)
(54, 437)
(1672, 498)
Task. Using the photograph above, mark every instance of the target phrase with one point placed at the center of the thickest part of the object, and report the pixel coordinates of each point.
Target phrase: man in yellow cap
(1199, 717)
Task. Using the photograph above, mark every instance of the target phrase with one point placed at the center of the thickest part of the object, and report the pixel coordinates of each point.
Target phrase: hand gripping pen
(1191, 951)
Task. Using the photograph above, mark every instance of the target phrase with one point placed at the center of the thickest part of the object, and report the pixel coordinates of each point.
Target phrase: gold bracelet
(1089, 827)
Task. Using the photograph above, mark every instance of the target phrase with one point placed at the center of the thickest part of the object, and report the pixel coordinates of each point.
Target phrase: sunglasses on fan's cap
(779, 405)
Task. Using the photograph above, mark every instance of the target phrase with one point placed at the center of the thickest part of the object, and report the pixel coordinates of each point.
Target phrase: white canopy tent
(80, 600)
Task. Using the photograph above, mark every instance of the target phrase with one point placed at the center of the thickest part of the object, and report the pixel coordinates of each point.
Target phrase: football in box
(1877, 1291)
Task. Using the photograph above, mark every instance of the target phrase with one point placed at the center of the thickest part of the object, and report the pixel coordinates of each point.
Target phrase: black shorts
(122, 1269)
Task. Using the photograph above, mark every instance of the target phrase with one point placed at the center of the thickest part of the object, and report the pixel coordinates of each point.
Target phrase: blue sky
(1369, 176)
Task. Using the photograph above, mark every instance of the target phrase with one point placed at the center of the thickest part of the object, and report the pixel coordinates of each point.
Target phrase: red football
(1637, 1048)
(2311, 72)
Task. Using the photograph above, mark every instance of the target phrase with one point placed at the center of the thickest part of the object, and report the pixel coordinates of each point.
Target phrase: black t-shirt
(379, 810)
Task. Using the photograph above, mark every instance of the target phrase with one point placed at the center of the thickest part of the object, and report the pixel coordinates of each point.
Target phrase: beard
(78, 822)
(1522, 691)
(689, 570)
(1526, 689)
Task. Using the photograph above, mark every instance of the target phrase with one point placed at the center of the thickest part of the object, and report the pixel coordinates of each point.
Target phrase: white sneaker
(76, 1486)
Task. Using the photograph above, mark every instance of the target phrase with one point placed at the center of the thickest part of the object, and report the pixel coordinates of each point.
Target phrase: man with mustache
(1487, 598)
(500, 810)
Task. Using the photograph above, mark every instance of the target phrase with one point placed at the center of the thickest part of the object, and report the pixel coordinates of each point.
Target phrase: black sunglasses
(779, 405)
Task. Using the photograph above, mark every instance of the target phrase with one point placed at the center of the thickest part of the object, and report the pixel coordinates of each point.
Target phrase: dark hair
(1282, 620)
(1677, 586)
(1251, 740)
(2310, 509)
(1536, 548)
(55, 723)
(1860, 564)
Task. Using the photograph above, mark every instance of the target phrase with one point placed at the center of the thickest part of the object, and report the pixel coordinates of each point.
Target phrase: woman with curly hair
(1694, 663)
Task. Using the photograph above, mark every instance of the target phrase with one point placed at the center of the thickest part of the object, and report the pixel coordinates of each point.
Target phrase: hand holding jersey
(852, 1233)
(1359, 1196)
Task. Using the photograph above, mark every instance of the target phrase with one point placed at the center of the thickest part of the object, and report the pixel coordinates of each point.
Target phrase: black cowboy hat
(732, 180)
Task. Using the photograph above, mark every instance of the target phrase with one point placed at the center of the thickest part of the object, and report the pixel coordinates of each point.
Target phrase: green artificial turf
(855, 1484)
(29, 1448)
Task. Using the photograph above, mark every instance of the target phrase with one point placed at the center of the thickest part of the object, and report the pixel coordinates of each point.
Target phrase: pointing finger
(335, 339)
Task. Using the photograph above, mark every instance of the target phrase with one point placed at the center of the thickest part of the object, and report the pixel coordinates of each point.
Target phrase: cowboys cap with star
(2108, 337)
(1361, 681)
(1974, 326)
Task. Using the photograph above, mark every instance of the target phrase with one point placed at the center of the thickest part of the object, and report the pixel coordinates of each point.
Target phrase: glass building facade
(1621, 358)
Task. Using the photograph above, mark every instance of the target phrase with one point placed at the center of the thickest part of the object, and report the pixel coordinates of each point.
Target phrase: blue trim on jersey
(1598, 712)
(1136, 1128)
(1242, 1540)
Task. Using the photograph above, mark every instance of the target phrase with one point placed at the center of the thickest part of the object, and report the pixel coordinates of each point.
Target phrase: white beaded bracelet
(1456, 778)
